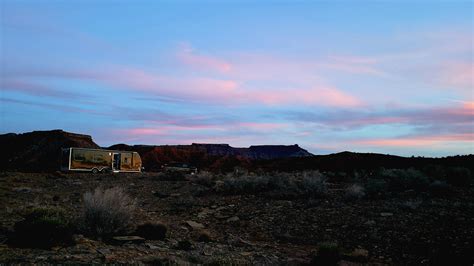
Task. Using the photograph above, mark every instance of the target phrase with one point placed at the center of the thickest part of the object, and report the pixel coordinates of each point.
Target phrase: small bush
(152, 231)
(354, 192)
(405, 179)
(375, 188)
(43, 228)
(107, 212)
(204, 178)
(458, 176)
(440, 189)
(328, 254)
(173, 176)
(308, 184)
(313, 184)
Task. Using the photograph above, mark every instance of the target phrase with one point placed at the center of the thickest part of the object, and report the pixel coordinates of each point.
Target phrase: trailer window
(99, 158)
(79, 156)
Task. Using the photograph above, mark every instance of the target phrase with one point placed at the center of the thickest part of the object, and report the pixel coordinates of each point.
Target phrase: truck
(100, 160)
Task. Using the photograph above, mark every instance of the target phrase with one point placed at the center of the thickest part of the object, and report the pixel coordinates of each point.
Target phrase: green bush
(375, 188)
(405, 179)
(203, 178)
(306, 184)
(354, 192)
(328, 254)
(440, 189)
(458, 176)
(43, 228)
(107, 212)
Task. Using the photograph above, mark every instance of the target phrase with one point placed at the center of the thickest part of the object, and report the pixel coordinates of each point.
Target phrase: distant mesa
(40, 151)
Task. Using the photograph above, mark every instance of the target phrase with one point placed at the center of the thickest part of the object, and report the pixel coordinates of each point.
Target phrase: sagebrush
(107, 212)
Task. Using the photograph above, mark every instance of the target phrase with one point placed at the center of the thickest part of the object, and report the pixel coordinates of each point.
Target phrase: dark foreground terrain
(269, 219)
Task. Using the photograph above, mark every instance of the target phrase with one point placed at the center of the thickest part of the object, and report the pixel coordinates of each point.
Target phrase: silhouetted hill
(218, 157)
(38, 150)
(350, 161)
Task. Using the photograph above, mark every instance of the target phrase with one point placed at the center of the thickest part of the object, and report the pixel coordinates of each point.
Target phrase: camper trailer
(97, 160)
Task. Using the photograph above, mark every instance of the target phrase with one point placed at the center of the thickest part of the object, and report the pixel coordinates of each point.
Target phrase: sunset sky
(376, 76)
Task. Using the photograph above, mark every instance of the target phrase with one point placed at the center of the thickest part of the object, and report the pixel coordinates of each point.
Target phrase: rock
(221, 216)
(103, 251)
(128, 239)
(204, 213)
(160, 195)
(204, 236)
(22, 189)
(152, 231)
(386, 214)
(233, 219)
(195, 225)
(359, 255)
(370, 222)
(184, 245)
(150, 246)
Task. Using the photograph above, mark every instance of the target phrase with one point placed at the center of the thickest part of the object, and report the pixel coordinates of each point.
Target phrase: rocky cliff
(38, 150)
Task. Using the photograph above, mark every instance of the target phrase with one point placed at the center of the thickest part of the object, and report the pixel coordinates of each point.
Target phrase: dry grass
(107, 212)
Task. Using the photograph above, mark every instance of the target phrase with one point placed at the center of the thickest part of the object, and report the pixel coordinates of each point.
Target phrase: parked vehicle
(179, 167)
(98, 160)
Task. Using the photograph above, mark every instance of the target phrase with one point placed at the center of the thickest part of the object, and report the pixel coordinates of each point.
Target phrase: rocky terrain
(229, 219)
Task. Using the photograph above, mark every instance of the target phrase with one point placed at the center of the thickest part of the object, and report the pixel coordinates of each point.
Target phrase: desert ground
(274, 218)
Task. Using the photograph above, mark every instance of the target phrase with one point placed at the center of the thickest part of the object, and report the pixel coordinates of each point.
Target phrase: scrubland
(388, 216)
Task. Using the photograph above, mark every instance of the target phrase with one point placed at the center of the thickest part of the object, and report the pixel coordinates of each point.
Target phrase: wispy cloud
(187, 55)
(414, 141)
(37, 89)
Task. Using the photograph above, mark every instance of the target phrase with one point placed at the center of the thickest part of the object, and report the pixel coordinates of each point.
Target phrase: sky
(392, 77)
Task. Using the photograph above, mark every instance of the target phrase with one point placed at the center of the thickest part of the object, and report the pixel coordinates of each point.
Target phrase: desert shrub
(458, 176)
(411, 204)
(204, 178)
(328, 254)
(404, 179)
(173, 176)
(375, 188)
(354, 192)
(440, 189)
(107, 212)
(313, 184)
(435, 171)
(152, 231)
(308, 184)
(43, 228)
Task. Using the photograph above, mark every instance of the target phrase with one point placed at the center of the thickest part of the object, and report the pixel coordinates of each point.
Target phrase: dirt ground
(407, 228)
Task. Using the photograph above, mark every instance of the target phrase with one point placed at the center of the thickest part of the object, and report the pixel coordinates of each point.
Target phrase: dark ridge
(39, 150)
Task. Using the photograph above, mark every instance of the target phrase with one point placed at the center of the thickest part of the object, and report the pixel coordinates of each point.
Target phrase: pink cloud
(188, 56)
(35, 89)
(458, 75)
(262, 126)
(319, 96)
(224, 91)
(411, 141)
(204, 89)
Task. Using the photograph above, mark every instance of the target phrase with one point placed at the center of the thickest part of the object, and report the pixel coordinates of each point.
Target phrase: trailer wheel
(95, 170)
